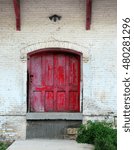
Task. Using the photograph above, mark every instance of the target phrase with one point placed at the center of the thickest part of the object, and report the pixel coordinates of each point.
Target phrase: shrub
(3, 146)
(104, 143)
(101, 134)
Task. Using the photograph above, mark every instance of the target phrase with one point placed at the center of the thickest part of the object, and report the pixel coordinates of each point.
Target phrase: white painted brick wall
(99, 72)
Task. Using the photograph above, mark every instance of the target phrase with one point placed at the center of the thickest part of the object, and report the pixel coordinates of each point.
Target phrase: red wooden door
(54, 84)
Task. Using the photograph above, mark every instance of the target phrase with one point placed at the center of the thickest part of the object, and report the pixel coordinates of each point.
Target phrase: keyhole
(31, 76)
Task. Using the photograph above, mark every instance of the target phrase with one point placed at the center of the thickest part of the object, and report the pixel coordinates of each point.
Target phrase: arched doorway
(54, 80)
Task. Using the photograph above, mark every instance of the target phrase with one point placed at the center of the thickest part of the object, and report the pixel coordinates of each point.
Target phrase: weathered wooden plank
(17, 13)
(88, 13)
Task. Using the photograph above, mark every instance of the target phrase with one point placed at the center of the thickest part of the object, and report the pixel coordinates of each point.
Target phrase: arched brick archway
(55, 44)
(85, 58)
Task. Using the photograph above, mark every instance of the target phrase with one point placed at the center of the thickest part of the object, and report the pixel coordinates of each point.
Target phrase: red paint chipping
(55, 83)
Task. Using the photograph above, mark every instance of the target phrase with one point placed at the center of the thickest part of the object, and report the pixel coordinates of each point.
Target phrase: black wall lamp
(55, 18)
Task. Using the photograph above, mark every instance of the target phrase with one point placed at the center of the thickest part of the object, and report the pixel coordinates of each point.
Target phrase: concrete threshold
(54, 116)
(44, 144)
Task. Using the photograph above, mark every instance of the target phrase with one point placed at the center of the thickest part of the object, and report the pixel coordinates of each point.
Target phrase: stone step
(52, 129)
(71, 133)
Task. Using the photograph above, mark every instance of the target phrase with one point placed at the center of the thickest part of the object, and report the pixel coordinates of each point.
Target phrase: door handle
(31, 76)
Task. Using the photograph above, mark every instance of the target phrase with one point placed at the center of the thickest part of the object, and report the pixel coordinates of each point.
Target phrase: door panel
(61, 98)
(49, 103)
(36, 70)
(54, 82)
(60, 68)
(36, 101)
(73, 69)
(47, 70)
(73, 101)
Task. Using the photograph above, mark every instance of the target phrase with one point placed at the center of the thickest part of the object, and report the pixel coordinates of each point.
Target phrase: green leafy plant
(101, 134)
(3, 145)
